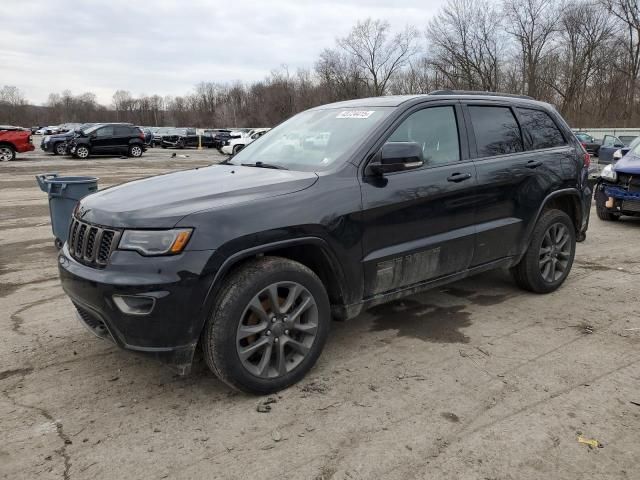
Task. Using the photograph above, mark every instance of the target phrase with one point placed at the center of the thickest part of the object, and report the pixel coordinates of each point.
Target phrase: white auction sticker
(355, 114)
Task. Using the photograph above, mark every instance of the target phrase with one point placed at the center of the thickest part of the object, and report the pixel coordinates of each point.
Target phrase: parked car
(57, 144)
(12, 140)
(251, 258)
(590, 144)
(108, 139)
(617, 192)
(157, 136)
(186, 137)
(35, 129)
(234, 145)
(148, 134)
(51, 130)
(611, 143)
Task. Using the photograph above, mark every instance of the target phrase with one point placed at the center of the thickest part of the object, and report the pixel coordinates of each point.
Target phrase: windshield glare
(313, 140)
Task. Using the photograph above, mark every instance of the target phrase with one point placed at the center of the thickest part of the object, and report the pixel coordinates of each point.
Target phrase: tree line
(581, 56)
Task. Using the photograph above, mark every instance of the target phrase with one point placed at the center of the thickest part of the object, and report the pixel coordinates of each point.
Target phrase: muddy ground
(478, 380)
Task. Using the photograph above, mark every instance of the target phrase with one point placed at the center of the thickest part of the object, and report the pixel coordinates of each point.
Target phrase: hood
(630, 163)
(160, 202)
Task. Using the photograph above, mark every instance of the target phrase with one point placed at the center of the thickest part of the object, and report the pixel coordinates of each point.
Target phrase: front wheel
(135, 151)
(548, 260)
(268, 325)
(7, 153)
(82, 152)
(237, 148)
(60, 149)
(601, 209)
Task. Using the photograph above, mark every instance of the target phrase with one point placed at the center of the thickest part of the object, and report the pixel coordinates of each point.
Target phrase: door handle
(459, 177)
(533, 164)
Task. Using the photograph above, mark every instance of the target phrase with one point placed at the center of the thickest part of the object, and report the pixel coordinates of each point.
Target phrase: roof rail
(472, 92)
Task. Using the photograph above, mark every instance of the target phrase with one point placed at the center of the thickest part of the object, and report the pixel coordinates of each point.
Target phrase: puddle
(430, 323)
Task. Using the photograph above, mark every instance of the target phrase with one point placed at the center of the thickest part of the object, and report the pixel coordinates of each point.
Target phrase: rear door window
(496, 130)
(122, 131)
(540, 129)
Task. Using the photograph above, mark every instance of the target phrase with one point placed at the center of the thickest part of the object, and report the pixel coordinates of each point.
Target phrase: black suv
(340, 208)
(108, 139)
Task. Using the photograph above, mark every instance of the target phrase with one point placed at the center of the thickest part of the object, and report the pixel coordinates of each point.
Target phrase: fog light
(134, 305)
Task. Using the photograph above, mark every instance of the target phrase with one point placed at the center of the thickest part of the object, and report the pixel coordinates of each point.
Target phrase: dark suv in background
(340, 208)
(108, 139)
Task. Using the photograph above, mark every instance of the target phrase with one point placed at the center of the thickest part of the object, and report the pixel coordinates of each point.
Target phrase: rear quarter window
(496, 131)
(540, 129)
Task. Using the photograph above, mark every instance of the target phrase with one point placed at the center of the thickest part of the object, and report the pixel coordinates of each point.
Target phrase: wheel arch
(313, 252)
(566, 200)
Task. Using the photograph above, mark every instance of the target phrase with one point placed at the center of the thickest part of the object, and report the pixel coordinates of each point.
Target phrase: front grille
(90, 244)
(631, 206)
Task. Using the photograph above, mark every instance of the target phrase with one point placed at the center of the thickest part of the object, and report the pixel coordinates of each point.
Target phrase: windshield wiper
(264, 165)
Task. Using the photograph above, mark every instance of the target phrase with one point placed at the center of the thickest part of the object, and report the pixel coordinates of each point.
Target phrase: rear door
(419, 224)
(103, 140)
(519, 159)
(610, 143)
(121, 136)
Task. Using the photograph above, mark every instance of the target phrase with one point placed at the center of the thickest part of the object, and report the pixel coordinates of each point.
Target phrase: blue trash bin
(64, 193)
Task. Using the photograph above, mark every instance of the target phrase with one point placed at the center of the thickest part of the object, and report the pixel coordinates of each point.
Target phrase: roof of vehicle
(11, 127)
(397, 100)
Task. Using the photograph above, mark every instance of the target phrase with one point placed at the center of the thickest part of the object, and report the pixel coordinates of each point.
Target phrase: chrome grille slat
(91, 245)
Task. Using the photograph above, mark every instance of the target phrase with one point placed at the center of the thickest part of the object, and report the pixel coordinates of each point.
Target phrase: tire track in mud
(62, 451)
(17, 321)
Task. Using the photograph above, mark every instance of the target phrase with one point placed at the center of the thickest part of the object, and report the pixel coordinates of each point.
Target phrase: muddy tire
(549, 257)
(601, 210)
(268, 325)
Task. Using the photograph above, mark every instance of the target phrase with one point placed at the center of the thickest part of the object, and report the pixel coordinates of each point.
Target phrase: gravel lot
(474, 381)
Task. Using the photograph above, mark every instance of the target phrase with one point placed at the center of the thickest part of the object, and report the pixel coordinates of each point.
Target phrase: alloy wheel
(555, 252)
(61, 149)
(277, 329)
(6, 154)
(136, 151)
(82, 152)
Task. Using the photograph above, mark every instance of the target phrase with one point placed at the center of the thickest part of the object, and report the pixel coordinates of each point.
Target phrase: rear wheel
(548, 260)
(135, 151)
(601, 209)
(268, 325)
(7, 153)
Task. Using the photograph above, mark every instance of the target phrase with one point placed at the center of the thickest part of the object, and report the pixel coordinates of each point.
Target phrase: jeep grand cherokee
(251, 258)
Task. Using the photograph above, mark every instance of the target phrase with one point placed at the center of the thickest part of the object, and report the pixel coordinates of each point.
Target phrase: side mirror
(395, 157)
(617, 155)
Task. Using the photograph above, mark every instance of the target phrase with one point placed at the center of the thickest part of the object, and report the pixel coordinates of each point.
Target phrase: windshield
(177, 131)
(91, 129)
(313, 140)
(164, 129)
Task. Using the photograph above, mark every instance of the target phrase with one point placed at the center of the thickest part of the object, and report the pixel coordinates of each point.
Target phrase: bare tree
(532, 23)
(465, 44)
(376, 55)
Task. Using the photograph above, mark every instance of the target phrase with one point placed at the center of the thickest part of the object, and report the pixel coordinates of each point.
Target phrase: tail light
(586, 159)
(141, 136)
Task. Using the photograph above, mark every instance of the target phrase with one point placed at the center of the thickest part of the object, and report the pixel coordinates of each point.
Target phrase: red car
(12, 140)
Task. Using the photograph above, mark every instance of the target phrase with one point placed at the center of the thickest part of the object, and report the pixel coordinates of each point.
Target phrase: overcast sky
(166, 47)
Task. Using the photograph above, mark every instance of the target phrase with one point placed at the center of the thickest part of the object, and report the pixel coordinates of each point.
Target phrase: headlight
(608, 173)
(617, 155)
(155, 242)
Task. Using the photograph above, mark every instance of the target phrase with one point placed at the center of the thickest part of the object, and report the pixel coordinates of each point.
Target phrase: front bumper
(178, 284)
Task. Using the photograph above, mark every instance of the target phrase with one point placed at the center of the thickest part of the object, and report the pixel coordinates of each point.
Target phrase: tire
(547, 261)
(237, 307)
(7, 153)
(59, 148)
(601, 210)
(135, 151)
(82, 152)
(237, 148)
